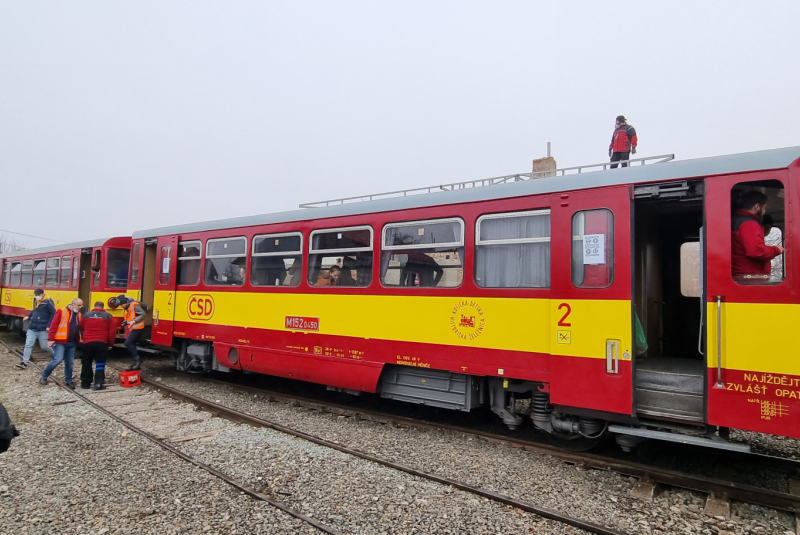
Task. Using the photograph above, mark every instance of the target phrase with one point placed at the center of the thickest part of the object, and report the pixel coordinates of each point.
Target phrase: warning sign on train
(594, 249)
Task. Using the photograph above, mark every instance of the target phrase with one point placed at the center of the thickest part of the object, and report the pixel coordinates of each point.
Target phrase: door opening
(668, 302)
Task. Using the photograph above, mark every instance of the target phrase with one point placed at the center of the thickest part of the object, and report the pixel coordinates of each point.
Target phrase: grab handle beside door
(612, 356)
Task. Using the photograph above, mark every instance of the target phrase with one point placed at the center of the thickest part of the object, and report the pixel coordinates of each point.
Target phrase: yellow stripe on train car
(496, 323)
(23, 297)
(757, 337)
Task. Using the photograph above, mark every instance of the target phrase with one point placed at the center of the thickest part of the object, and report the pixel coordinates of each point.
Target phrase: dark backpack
(7, 430)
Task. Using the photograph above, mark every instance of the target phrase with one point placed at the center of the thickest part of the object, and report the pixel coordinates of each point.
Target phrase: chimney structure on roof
(543, 167)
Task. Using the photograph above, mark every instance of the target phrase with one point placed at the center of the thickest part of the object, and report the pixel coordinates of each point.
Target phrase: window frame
(136, 255)
(343, 252)
(6, 280)
(208, 257)
(254, 254)
(23, 271)
(48, 269)
(608, 244)
(109, 251)
(462, 244)
(387, 226)
(199, 257)
(61, 280)
(164, 281)
(514, 241)
(744, 281)
(44, 272)
(371, 247)
(19, 280)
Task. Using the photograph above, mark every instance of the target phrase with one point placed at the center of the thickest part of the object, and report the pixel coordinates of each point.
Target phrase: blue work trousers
(65, 352)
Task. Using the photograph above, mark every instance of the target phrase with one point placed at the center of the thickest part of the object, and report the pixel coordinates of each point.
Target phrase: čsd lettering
(200, 307)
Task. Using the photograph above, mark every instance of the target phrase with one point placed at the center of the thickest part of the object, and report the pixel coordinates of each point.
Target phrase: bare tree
(9, 244)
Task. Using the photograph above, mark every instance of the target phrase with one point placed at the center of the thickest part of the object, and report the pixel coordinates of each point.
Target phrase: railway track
(124, 404)
(713, 486)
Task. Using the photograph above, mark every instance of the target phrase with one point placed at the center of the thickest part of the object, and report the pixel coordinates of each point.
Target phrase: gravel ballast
(592, 495)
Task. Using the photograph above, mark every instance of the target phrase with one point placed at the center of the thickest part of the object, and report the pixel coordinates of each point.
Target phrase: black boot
(99, 386)
(136, 366)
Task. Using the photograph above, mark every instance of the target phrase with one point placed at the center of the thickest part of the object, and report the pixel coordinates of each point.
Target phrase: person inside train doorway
(63, 337)
(751, 258)
(99, 334)
(42, 314)
(134, 324)
(623, 142)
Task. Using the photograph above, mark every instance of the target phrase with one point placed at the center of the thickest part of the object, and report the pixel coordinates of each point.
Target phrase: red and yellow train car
(482, 296)
(93, 270)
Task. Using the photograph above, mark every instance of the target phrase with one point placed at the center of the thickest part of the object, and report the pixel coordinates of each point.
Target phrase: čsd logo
(200, 307)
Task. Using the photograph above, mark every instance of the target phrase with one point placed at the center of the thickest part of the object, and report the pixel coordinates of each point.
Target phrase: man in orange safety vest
(63, 337)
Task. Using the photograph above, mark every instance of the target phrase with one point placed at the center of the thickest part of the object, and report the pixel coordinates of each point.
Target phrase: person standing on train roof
(42, 314)
(99, 334)
(63, 337)
(750, 256)
(623, 142)
(134, 323)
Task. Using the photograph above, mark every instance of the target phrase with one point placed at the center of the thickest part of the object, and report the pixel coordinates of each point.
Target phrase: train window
(189, 263)
(27, 273)
(512, 250)
(38, 272)
(135, 256)
(163, 264)
(53, 266)
(117, 264)
(96, 267)
(226, 261)
(65, 268)
(74, 270)
(6, 273)
(423, 254)
(758, 217)
(277, 260)
(16, 269)
(593, 248)
(340, 257)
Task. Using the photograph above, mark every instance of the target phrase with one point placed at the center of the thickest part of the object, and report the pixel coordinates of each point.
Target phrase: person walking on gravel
(99, 335)
(134, 324)
(64, 335)
(42, 314)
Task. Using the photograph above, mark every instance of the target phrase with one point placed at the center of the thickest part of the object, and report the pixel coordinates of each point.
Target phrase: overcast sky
(121, 116)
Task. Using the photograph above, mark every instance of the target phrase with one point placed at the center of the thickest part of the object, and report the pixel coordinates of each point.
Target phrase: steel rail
(715, 486)
(188, 458)
(241, 417)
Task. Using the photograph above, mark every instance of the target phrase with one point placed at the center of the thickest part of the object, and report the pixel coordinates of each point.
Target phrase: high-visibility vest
(62, 333)
(130, 316)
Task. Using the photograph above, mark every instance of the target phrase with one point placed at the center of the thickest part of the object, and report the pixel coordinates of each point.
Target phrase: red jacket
(98, 326)
(623, 139)
(749, 254)
(74, 328)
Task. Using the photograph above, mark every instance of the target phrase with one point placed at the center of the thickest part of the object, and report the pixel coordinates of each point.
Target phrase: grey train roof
(717, 165)
(56, 248)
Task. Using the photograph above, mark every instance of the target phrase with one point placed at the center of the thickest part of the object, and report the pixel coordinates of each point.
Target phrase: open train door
(591, 314)
(753, 370)
(165, 284)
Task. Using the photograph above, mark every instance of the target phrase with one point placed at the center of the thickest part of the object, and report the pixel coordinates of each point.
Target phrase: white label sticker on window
(594, 249)
(165, 265)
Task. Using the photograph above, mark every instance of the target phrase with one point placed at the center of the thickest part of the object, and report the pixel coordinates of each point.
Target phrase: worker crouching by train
(63, 337)
(99, 334)
(134, 325)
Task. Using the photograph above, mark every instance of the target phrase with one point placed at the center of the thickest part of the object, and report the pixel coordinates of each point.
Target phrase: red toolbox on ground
(129, 379)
